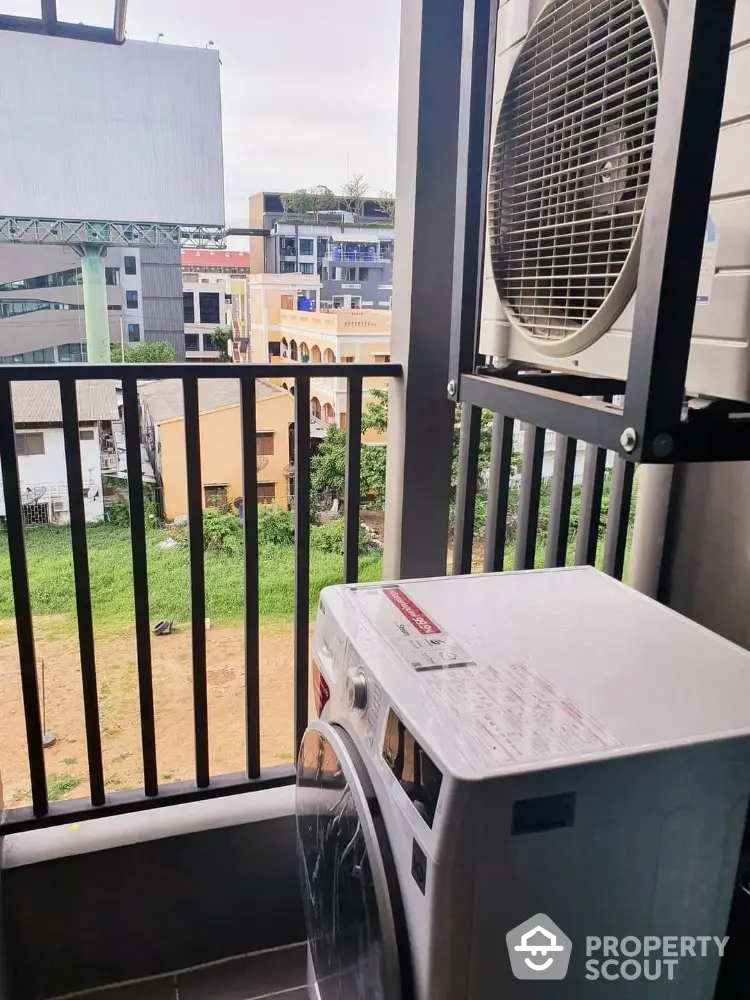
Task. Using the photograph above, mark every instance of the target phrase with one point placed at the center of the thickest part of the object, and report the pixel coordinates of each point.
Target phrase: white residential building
(41, 451)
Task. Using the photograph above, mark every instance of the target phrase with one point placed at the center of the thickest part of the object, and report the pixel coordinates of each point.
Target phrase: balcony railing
(43, 812)
(558, 541)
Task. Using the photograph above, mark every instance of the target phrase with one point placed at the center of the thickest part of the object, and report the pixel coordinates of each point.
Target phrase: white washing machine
(494, 750)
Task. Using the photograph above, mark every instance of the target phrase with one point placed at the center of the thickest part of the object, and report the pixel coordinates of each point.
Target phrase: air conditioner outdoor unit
(574, 113)
(59, 506)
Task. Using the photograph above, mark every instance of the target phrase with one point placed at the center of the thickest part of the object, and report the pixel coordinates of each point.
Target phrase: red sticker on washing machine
(410, 610)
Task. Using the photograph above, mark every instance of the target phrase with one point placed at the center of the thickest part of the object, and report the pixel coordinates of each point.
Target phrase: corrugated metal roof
(39, 402)
(165, 400)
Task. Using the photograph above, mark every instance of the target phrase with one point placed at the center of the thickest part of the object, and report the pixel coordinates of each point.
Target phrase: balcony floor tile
(279, 973)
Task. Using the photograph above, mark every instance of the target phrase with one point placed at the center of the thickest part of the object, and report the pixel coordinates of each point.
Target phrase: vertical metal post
(497, 494)
(472, 168)
(82, 584)
(301, 555)
(140, 584)
(352, 487)
(197, 579)
(691, 96)
(19, 576)
(466, 490)
(252, 612)
(528, 500)
(420, 430)
(560, 499)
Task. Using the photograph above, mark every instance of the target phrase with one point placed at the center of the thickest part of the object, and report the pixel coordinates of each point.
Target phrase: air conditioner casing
(719, 364)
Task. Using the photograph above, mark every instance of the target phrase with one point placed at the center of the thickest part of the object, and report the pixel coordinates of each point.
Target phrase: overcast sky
(307, 85)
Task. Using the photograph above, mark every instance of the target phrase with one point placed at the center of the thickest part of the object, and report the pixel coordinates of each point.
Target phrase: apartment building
(215, 293)
(268, 295)
(353, 257)
(41, 301)
(339, 335)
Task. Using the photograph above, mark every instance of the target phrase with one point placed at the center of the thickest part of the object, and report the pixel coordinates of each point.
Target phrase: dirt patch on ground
(67, 762)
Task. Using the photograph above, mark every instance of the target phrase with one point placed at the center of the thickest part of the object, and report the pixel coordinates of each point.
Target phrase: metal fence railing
(42, 811)
(550, 500)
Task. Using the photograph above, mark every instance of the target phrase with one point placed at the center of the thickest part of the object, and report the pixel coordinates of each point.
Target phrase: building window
(191, 342)
(348, 273)
(188, 307)
(134, 331)
(209, 307)
(315, 357)
(322, 246)
(356, 302)
(293, 350)
(131, 300)
(208, 342)
(71, 352)
(288, 267)
(57, 279)
(215, 495)
(329, 357)
(307, 269)
(307, 247)
(129, 263)
(364, 273)
(315, 407)
(338, 301)
(30, 444)
(386, 249)
(274, 349)
(328, 414)
(287, 246)
(86, 434)
(347, 360)
(264, 442)
(266, 492)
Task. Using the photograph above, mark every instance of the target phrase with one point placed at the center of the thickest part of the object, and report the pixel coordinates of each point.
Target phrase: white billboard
(121, 133)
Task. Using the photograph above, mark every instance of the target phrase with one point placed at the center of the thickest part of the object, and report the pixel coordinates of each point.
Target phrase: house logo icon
(538, 949)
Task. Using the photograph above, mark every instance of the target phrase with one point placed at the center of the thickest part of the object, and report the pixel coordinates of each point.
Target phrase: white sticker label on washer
(413, 634)
(515, 714)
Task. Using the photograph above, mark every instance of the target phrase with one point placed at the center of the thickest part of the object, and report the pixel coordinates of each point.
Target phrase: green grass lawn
(50, 565)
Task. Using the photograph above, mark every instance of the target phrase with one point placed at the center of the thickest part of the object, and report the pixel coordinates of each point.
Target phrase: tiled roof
(39, 402)
(165, 401)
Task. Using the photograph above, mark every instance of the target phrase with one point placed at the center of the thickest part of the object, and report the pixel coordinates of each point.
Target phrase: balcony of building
(183, 884)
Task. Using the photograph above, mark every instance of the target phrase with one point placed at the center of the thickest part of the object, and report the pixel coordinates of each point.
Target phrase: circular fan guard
(570, 169)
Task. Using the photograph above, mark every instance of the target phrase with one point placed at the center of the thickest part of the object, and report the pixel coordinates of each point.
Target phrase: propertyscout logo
(539, 949)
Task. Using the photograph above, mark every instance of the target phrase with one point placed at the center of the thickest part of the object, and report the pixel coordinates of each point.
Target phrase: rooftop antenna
(159, 37)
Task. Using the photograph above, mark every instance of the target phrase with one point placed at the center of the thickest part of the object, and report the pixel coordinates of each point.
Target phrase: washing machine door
(355, 920)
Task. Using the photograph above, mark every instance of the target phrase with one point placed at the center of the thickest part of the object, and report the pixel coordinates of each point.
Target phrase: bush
(275, 525)
(222, 532)
(329, 537)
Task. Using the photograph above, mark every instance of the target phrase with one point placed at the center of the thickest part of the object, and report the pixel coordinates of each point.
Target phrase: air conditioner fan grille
(571, 161)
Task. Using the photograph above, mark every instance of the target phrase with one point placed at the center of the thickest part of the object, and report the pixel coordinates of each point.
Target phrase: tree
(328, 466)
(298, 202)
(354, 193)
(220, 339)
(385, 202)
(145, 351)
(324, 199)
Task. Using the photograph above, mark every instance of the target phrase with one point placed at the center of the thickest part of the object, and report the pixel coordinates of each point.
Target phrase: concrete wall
(221, 451)
(122, 898)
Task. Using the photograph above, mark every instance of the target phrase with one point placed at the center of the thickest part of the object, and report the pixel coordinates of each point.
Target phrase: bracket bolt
(628, 439)
(452, 387)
